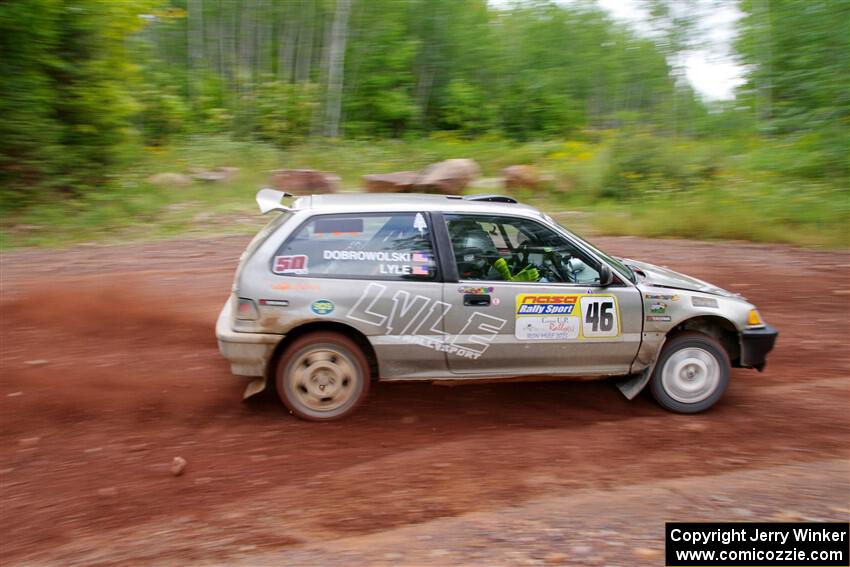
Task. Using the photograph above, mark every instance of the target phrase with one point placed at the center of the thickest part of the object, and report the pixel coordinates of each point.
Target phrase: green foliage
(632, 162)
(98, 95)
(30, 136)
(466, 109)
(737, 201)
(798, 53)
(381, 101)
(164, 113)
(65, 98)
(283, 112)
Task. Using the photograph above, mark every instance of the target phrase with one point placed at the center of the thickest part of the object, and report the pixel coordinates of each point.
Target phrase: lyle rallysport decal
(563, 317)
(419, 318)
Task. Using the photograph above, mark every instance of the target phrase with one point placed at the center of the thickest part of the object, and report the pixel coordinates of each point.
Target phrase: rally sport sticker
(548, 316)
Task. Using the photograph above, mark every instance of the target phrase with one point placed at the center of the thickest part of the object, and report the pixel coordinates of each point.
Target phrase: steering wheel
(553, 267)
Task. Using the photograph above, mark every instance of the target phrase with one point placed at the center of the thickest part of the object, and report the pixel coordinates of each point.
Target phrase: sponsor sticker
(419, 223)
(658, 308)
(475, 290)
(563, 317)
(663, 297)
(547, 328)
(658, 318)
(545, 304)
(704, 302)
(322, 307)
(296, 264)
(296, 286)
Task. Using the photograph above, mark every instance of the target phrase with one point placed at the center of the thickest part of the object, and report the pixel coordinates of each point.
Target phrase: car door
(557, 320)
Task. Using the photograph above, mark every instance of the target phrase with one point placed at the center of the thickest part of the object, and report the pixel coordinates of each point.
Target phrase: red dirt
(110, 370)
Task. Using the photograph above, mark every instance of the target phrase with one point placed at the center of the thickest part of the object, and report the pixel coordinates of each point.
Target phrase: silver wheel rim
(322, 379)
(690, 375)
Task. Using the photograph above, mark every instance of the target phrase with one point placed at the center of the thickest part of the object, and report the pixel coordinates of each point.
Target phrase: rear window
(380, 246)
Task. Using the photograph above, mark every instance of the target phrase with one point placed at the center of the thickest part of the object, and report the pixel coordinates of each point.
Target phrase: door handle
(476, 300)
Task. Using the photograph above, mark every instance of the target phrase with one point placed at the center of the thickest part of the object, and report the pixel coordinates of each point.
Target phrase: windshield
(617, 264)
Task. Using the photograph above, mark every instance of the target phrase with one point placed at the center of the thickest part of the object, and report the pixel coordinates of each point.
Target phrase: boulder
(488, 184)
(305, 181)
(397, 182)
(170, 179)
(178, 465)
(522, 177)
(216, 175)
(450, 176)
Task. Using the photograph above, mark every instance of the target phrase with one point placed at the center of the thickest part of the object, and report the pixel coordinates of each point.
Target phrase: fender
(633, 384)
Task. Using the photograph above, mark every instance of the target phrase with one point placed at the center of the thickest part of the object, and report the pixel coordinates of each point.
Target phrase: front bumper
(755, 344)
(248, 353)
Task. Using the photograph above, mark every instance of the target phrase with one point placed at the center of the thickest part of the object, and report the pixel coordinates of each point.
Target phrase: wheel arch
(717, 327)
(332, 326)
(713, 326)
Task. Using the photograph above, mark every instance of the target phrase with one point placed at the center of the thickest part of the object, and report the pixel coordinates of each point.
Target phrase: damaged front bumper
(755, 345)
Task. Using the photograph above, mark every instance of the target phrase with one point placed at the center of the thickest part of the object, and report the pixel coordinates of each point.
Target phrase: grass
(693, 191)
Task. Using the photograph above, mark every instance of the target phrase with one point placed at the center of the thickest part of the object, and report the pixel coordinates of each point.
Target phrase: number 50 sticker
(599, 316)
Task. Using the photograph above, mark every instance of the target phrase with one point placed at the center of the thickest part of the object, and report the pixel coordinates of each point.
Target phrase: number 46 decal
(600, 317)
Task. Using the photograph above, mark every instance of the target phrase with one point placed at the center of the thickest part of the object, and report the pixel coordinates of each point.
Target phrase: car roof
(383, 202)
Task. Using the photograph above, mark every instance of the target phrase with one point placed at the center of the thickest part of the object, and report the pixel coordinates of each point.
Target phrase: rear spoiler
(270, 200)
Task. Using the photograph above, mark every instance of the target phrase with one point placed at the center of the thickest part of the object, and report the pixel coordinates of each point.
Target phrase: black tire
(322, 376)
(677, 382)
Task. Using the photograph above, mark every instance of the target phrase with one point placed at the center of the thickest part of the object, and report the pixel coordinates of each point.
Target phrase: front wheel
(322, 376)
(691, 374)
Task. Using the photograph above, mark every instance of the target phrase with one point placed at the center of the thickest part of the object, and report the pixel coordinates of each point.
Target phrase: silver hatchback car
(338, 290)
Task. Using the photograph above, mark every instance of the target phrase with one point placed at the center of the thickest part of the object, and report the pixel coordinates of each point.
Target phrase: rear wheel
(322, 376)
(691, 374)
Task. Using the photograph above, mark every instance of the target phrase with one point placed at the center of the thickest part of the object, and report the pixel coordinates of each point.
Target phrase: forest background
(96, 97)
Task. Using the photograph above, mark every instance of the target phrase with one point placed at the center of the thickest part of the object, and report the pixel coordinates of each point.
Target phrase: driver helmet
(470, 235)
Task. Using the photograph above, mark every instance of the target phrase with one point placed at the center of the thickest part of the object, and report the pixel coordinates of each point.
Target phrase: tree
(336, 58)
(796, 53)
(66, 99)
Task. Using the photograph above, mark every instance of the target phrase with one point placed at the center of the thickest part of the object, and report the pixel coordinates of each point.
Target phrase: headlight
(754, 319)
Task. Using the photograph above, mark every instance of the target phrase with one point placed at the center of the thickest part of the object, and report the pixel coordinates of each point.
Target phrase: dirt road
(110, 370)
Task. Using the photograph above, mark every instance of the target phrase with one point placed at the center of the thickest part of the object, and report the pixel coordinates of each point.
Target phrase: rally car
(339, 290)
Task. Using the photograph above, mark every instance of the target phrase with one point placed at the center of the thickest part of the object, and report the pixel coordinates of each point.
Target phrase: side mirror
(605, 275)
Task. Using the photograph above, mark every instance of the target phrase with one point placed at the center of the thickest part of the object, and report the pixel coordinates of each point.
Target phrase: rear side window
(263, 235)
(381, 246)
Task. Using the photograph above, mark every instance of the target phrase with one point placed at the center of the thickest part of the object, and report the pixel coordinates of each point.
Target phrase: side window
(396, 246)
(497, 248)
